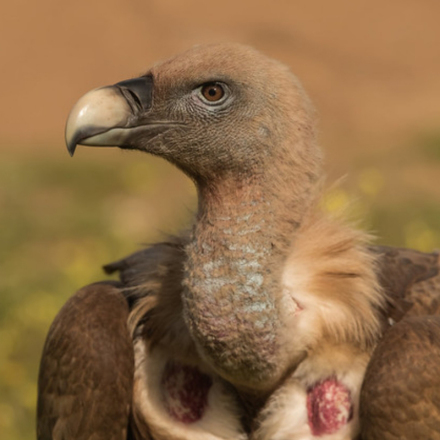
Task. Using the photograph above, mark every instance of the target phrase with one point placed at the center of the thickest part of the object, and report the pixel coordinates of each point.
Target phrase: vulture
(269, 319)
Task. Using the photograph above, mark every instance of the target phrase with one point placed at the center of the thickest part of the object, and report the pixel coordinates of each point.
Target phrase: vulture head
(242, 128)
(217, 111)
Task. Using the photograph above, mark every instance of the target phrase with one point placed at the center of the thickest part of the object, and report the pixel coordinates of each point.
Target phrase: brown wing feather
(400, 398)
(152, 281)
(400, 395)
(411, 280)
(86, 372)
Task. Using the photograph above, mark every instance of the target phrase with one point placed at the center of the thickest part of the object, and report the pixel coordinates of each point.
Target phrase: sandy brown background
(371, 67)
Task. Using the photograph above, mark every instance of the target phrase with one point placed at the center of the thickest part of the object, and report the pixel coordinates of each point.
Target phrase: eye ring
(213, 93)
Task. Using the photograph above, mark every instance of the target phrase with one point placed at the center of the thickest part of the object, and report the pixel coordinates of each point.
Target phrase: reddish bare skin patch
(329, 407)
(185, 392)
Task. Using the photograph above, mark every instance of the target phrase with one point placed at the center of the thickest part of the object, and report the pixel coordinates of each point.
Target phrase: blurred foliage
(413, 222)
(61, 220)
(431, 145)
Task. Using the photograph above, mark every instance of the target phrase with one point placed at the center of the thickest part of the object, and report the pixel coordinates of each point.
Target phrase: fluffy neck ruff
(332, 275)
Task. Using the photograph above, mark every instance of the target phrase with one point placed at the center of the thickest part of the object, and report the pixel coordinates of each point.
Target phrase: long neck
(239, 243)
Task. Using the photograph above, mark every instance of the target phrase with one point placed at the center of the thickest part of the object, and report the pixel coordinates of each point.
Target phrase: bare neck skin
(232, 275)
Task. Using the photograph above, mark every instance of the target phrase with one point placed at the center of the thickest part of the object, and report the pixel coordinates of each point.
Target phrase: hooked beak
(108, 116)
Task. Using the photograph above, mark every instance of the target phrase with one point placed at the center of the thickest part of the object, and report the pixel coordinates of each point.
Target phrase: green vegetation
(60, 222)
(431, 146)
(62, 219)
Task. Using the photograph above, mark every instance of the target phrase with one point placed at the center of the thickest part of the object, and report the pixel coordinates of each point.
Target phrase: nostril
(135, 98)
(138, 91)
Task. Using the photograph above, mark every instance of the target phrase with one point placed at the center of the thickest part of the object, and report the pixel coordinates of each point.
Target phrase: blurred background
(371, 67)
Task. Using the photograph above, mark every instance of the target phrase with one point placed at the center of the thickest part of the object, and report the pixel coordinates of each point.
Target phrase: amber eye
(212, 92)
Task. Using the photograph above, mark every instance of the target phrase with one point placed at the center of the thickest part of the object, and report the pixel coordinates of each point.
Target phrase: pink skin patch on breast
(329, 407)
(185, 392)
